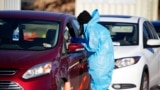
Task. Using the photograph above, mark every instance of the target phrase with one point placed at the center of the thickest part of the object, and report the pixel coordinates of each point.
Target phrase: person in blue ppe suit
(98, 44)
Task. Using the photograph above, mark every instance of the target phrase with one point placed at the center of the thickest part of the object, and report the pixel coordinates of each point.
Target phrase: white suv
(136, 51)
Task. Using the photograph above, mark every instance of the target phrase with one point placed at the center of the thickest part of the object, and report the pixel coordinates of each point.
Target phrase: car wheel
(144, 82)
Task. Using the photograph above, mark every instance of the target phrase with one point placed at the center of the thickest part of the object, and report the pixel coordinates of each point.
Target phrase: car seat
(50, 36)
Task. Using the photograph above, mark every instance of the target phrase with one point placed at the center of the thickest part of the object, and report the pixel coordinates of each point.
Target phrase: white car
(136, 52)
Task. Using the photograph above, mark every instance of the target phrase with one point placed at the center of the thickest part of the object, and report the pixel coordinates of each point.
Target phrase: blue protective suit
(98, 44)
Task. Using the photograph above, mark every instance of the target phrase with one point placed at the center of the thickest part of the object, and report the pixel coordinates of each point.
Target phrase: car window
(73, 26)
(28, 34)
(157, 30)
(156, 25)
(66, 41)
(152, 30)
(145, 35)
(147, 32)
(123, 34)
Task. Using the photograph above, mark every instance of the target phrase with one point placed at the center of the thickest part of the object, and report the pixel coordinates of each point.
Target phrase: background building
(145, 8)
(10, 4)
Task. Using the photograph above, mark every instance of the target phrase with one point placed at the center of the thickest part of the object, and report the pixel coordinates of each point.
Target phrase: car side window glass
(66, 41)
(157, 28)
(147, 32)
(64, 49)
(153, 31)
(74, 25)
(145, 35)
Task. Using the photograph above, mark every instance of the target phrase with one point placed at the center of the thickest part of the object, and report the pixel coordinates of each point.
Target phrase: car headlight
(123, 62)
(38, 70)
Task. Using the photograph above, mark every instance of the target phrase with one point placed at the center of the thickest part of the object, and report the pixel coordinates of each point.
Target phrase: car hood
(126, 51)
(22, 59)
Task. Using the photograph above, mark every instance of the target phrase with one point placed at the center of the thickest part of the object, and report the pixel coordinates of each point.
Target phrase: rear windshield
(123, 34)
(20, 34)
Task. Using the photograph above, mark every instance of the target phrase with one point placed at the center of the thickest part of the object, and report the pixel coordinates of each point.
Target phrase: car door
(84, 77)
(75, 58)
(76, 70)
(151, 52)
(157, 50)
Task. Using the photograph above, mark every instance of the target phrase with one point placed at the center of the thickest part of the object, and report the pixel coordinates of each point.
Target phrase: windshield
(28, 34)
(123, 34)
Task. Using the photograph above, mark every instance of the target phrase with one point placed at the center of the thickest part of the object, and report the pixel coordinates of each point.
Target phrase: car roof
(31, 14)
(120, 18)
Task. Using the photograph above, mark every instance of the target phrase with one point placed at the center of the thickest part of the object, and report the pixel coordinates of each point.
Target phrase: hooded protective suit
(98, 44)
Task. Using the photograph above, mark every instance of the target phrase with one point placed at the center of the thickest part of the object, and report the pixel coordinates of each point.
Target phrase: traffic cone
(67, 86)
(85, 83)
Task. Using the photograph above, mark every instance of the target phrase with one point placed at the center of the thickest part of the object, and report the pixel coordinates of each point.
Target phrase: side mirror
(73, 47)
(153, 42)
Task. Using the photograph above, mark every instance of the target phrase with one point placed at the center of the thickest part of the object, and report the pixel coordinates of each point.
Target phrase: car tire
(144, 82)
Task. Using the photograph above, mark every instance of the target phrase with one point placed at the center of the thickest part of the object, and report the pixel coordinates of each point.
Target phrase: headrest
(50, 36)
